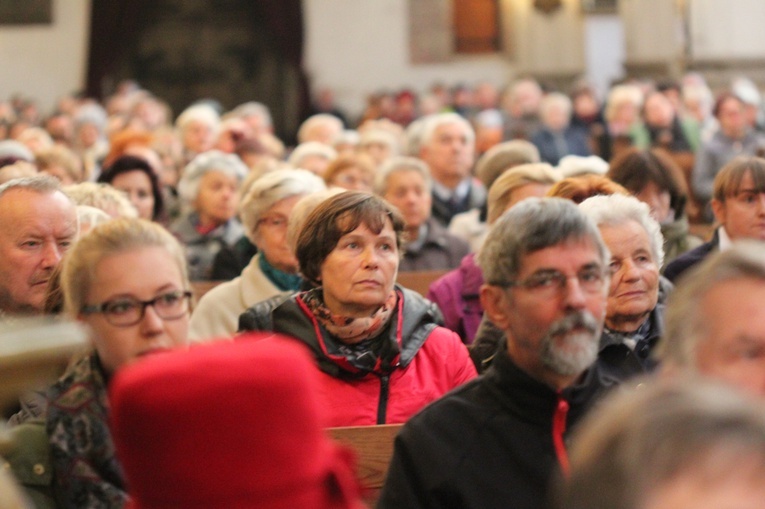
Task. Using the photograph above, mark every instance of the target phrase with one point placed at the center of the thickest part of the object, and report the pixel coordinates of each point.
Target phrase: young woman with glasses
(127, 281)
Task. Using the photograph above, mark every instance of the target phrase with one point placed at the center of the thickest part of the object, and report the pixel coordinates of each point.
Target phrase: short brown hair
(728, 180)
(635, 169)
(337, 216)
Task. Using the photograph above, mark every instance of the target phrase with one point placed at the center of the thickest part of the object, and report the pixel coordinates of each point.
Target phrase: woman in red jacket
(382, 355)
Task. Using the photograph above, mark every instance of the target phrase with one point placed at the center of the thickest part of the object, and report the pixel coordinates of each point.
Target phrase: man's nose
(52, 254)
(575, 297)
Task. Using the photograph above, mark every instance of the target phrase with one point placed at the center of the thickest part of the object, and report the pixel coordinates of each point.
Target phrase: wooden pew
(199, 288)
(374, 448)
(419, 281)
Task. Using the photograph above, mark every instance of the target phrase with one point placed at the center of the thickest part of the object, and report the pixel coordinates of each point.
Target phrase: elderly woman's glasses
(274, 222)
(549, 283)
(127, 311)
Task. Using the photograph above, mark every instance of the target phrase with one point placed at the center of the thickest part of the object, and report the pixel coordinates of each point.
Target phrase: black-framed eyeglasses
(127, 311)
(552, 282)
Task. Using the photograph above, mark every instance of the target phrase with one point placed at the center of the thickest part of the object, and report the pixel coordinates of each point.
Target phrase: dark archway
(184, 50)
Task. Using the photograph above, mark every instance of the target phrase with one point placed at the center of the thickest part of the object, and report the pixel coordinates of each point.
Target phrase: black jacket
(614, 356)
(687, 260)
(488, 444)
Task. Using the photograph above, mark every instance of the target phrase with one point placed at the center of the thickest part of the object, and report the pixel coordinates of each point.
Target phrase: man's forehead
(572, 254)
(19, 201)
(449, 127)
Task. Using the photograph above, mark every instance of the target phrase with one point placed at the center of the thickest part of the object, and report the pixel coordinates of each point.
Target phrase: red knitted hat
(230, 425)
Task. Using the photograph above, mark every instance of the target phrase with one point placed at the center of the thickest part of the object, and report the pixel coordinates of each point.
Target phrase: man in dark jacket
(496, 441)
(447, 147)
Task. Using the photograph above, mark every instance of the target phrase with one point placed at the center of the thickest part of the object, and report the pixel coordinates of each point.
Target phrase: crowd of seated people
(562, 233)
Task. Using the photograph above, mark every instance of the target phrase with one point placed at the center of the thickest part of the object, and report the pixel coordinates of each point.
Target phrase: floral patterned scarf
(86, 471)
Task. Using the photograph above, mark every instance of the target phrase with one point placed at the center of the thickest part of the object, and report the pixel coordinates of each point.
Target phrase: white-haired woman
(197, 127)
(634, 317)
(208, 193)
(265, 211)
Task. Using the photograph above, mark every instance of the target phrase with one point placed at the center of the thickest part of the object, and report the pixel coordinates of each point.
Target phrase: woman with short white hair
(265, 211)
(634, 316)
(209, 199)
(197, 127)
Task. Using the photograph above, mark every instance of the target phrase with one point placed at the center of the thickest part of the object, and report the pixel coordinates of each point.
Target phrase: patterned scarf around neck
(347, 329)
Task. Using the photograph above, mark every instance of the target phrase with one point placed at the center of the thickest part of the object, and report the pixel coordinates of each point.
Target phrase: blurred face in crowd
(58, 171)
(137, 185)
(198, 137)
(122, 281)
(314, 163)
(658, 200)
(730, 115)
(37, 228)
(743, 213)
(409, 192)
(658, 110)
(634, 288)
(449, 154)
(732, 348)
(352, 178)
(217, 199)
(271, 235)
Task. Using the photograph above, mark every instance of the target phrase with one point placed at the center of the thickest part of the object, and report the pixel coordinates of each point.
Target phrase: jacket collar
(534, 401)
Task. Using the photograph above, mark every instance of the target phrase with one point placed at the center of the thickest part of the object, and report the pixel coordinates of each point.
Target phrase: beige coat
(217, 313)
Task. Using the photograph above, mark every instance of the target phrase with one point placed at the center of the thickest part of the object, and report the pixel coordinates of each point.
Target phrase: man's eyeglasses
(127, 311)
(551, 282)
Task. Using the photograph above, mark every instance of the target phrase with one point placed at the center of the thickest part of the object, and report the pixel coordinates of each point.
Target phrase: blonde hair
(502, 189)
(102, 196)
(108, 239)
(61, 156)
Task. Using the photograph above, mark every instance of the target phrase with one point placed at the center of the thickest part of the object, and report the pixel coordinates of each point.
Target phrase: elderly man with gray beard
(497, 441)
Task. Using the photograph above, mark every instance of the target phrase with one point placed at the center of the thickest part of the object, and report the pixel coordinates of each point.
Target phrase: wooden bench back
(199, 288)
(374, 448)
(419, 281)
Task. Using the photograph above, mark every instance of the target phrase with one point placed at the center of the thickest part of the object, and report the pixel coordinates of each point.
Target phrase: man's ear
(494, 302)
(718, 207)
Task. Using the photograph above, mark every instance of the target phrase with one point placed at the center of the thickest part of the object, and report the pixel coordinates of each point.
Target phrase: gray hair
(199, 113)
(39, 184)
(686, 325)
(534, 224)
(433, 122)
(382, 136)
(272, 188)
(637, 442)
(314, 120)
(212, 160)
(616, 209)
(16, 150)
(396, 164)
(311, 148)
(252, 109)
(413, 136)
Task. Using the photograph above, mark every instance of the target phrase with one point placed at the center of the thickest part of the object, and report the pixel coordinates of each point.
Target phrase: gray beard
(582, 347)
